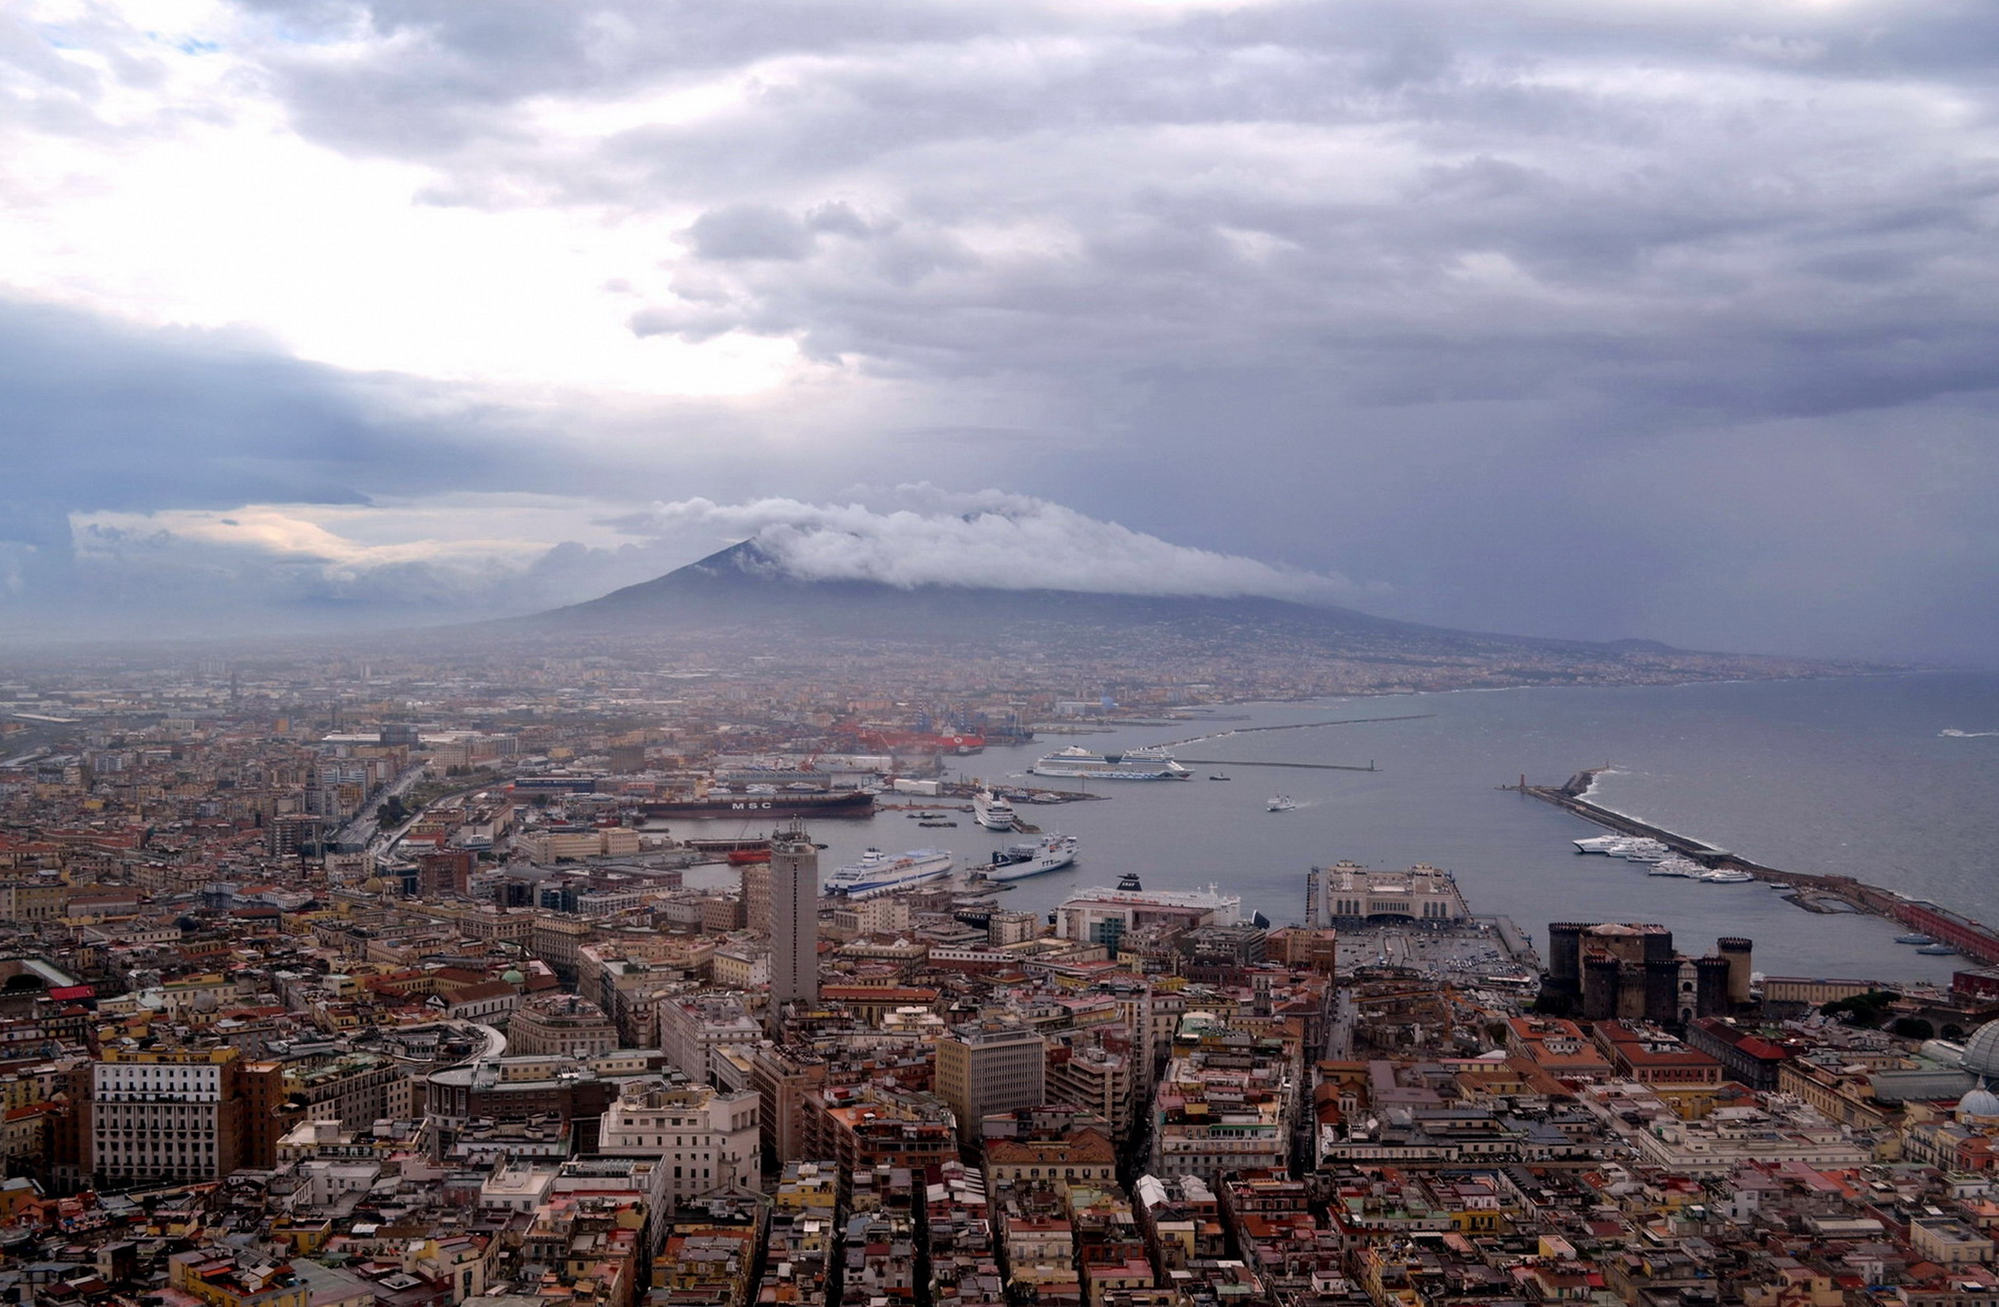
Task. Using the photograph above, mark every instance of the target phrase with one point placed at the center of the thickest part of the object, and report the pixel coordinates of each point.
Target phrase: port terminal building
(1347, 893)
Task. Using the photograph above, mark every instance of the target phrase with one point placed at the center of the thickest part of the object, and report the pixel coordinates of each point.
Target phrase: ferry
(992, 811)
(1031, 858)
(883, 873)
(1132, 765)
(1596, 843)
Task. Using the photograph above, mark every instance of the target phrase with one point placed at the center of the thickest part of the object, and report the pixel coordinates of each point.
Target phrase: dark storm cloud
(103, 416)
(446, 67)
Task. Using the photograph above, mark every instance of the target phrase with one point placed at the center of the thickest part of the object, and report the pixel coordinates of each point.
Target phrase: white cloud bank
(990, 539)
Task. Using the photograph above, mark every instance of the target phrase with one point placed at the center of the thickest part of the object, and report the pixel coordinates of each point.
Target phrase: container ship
(958, 742)
(720, 802)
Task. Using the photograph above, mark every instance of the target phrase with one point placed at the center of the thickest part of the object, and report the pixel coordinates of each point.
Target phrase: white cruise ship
(882, 873)
(1031, 858)
(1132, 765)
(992, 811)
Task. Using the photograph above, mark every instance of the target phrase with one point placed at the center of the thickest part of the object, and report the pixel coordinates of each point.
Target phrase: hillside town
(324, 997)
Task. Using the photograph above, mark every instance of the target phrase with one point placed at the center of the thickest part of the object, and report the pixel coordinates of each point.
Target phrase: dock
(1513, 940)
(1305, 766)
(1813, 892)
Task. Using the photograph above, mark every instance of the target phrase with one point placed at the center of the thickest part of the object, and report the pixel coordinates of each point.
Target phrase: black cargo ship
(855, 803)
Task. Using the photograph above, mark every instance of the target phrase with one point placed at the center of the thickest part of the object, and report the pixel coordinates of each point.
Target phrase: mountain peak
(745, 557)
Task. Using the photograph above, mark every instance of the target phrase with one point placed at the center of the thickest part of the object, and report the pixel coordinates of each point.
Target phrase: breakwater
(1303, 766)
(1293, 726)
(1968, 936)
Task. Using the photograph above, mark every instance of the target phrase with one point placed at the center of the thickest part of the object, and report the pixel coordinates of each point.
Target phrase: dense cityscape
(336, 982)
(1097, 653)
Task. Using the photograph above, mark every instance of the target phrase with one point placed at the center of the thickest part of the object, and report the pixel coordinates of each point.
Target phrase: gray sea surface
(1889, 778)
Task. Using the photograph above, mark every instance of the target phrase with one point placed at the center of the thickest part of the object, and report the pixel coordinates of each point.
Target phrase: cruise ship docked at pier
(883, 873)
(1132, 765)
(992, 811)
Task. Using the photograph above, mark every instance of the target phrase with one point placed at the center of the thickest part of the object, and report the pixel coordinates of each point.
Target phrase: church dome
(1981, 1051)
(1980, 1102)
(513, 977)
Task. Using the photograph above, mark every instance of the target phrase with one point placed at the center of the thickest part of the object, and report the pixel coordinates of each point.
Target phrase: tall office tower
(990, 1066)
(794, 918)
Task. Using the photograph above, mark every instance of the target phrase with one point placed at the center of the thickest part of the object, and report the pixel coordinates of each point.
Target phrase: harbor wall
(1972, 938)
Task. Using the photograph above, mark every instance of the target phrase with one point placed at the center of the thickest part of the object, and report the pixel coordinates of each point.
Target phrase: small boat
(1283, 803)
(1937, 951)
(1914, 939)
(1221, 776)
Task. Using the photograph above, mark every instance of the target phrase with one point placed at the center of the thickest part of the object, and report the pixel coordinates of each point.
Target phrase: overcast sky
(1596, 318)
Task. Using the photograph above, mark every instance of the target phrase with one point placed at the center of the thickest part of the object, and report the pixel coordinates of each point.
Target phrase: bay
(1853, 775)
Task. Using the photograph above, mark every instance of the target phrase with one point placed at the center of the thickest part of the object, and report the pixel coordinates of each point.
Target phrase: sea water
(1888, 778)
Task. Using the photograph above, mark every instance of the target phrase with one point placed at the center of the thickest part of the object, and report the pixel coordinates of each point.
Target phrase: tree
(1862, 1009)
(1912, 1028)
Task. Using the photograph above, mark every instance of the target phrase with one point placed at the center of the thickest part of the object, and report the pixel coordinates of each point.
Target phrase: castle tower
(1737, 950)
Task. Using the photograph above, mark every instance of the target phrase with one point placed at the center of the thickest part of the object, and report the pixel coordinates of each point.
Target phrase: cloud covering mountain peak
(991, 540)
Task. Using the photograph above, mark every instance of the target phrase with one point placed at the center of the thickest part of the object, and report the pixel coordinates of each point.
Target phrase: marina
(1945, 933)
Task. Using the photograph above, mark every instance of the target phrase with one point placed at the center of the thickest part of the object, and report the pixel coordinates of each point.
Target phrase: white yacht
(1641, 850)
(1675, 865)
(992, 811)
(1283, 803)
(1725, 876)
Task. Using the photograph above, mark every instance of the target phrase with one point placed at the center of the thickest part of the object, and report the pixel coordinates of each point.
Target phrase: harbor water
(1890, 778)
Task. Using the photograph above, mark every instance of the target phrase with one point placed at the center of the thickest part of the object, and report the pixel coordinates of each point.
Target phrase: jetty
(1303, 766)
(1813, 892)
